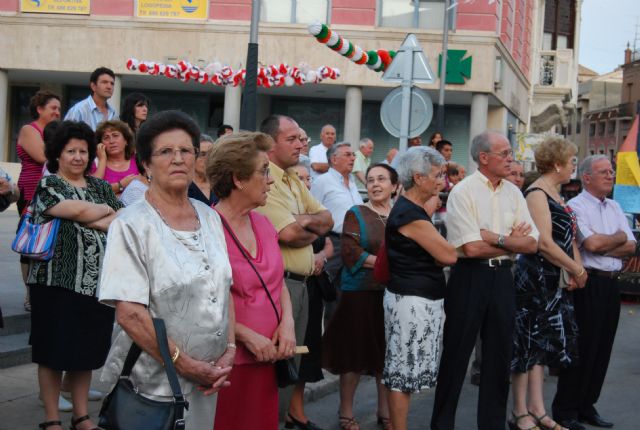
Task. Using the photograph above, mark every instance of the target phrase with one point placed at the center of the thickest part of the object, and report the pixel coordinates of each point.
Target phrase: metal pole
(405, 113)
(443, 65)
(250, 97)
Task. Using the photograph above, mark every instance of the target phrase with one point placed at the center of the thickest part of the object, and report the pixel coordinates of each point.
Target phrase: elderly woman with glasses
(545, 328)
(413, 301)
(238, 169)
(166, 258)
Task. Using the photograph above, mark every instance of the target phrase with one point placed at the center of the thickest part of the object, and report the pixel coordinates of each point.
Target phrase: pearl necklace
(194, 235)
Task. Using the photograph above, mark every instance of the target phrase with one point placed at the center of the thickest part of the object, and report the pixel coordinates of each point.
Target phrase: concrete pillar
(4, 116)
(478, 123)
(232, 104)
(116, 98)
(497, 119)
(352, 115)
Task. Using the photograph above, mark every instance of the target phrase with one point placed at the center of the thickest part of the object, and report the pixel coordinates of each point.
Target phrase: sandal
(348, 423)
(47, 424)
(543, 426)
(513, 424)
(384, 422)
(76, 421)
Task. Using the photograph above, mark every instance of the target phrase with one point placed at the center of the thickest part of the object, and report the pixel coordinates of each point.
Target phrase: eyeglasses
(605, 172)
(503, 154)
(170, 153)
(265, 171)
(574, 161)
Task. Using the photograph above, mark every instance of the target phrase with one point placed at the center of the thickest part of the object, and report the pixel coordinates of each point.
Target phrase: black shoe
(571, 424)
(595, 420)
(292, 423)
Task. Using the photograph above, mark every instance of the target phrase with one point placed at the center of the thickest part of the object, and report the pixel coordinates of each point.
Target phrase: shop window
(413, 14)
(294, 11)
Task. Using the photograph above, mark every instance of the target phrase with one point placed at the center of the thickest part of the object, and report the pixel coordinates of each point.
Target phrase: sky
(607, 26)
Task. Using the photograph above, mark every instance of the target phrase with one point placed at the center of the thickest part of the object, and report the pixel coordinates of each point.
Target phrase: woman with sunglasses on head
(135, 110)
(545, 332)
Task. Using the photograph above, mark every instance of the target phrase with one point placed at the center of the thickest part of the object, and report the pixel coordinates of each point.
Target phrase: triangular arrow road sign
(421, 70)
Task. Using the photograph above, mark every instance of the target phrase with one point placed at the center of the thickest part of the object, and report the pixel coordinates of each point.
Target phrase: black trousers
(597, 310)
(479, 299)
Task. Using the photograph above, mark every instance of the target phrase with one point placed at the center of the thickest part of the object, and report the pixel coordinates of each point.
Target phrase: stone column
(478, 123)
(116, 98)
(232, 104)
(4, 115)
(352, 115)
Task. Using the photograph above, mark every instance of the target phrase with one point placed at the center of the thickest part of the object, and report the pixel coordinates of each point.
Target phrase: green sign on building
(458, 67)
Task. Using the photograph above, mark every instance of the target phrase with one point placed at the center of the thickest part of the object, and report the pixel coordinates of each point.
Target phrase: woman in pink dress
(44, 107)
(116, 150)
(238, 169)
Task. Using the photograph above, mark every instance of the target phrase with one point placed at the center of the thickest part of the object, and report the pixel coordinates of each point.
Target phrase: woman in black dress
(545, 327)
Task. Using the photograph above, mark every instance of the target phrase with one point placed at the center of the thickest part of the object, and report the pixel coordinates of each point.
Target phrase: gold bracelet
(176, 354)
(231, 345)
(580, 274)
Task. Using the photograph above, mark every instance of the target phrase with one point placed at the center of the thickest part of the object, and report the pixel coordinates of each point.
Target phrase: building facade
(57, 50)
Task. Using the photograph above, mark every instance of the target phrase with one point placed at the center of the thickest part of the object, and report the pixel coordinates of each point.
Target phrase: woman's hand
(210, 377)
(260, 346)
(285, 338)
(127, 180)
(581, 280)
(101, 152)
(225, 361)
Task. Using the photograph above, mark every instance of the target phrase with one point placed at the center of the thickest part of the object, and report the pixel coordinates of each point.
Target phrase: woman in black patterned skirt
(545, 327)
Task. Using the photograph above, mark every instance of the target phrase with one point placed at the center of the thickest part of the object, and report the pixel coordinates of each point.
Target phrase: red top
(31, 170)
(252, 306)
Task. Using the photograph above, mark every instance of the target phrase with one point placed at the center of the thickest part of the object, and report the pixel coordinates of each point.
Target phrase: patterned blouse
(78, 250)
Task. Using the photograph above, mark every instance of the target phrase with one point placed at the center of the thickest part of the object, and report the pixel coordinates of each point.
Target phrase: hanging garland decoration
(276, 75)
(375, 60)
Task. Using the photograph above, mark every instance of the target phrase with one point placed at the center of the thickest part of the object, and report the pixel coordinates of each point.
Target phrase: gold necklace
(559, 198)
(382, 220)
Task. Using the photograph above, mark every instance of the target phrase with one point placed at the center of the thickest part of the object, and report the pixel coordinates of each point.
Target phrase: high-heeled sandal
(76, 421)
(544, 426)
(47, 424)
(348, 423)
(513, 424)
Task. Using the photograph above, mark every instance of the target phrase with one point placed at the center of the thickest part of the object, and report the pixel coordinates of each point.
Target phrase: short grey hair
(417, 160)
(331, 151)
(586, 167)
(364, 142)
(482, 143)
(206, 138)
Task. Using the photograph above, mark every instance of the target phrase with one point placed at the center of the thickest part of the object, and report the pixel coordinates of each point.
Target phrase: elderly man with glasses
(604, 238)
(488, 222)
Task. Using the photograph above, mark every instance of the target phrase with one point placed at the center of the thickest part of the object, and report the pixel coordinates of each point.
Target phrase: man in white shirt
(95, 109)
(604, 238)
(363, 161)
(318, 153)
(488, 222)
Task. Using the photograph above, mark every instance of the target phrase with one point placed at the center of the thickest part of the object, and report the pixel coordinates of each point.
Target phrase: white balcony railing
(557, 68)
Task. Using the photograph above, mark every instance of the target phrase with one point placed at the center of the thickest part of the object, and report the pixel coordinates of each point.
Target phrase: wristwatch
(120, 187)
(500, 241)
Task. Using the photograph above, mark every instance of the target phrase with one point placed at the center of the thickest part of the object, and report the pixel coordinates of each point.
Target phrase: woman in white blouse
(166, 258)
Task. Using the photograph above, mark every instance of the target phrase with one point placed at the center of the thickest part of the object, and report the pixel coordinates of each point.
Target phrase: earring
(557, 170)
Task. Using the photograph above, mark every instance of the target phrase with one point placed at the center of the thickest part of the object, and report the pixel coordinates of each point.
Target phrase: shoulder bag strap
(237, 242)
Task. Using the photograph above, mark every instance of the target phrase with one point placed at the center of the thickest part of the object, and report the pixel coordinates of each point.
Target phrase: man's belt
(491, 262)
(294, 276)
(604, 273)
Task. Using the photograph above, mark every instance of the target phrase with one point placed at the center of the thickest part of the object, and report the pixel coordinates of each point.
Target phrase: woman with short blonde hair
(545, 330)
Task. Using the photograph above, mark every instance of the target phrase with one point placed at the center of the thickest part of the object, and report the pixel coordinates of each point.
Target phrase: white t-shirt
(317, 154)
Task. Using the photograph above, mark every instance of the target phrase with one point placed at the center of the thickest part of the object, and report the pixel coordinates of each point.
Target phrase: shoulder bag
(36, 241)
(286, 372)
(125, 409)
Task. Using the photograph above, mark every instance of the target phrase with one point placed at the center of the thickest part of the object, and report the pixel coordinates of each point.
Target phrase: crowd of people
(255, 243)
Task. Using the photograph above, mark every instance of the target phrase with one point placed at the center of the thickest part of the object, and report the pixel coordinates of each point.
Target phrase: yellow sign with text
(76, 7)
(176, 9)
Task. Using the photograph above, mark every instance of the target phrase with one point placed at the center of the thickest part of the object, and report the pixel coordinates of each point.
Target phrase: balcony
(557, 69)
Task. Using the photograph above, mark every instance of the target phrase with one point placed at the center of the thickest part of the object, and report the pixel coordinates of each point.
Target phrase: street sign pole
(407, 83)
(409, 66)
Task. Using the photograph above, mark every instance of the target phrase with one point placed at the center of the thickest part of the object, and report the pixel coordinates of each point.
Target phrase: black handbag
(125, 409)
(286, 372)
(327, 288)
